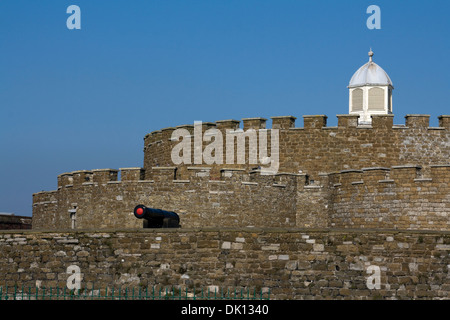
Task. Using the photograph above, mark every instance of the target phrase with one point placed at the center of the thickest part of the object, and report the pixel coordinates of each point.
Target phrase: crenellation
(382, 121)
(230, 124)
(440, 173)
(324, 179)
(391, 202)
(444, 121)
(261, 178)
(318, 182)
(65, 179)
(302, 180)
(339, 147)
(254, 123)
(196, 173)
(347, 177)
(302, 211)
(375, 175)
(371, 179)
(406, 173)
(44, 196)
(286, 178)
(208, 125)
(346, 121)
(103, 176)
(314, 121)
(235, 174)
(419, 121)
(163, 174)
(132, 174)
(283, 122)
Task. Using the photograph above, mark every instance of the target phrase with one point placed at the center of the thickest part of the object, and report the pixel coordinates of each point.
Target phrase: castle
(356, 211)
(364, 173)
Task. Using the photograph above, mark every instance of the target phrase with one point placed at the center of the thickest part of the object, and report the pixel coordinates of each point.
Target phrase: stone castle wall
(346, 201)
(290, 263)
(232, 201)
(401, 197)
(377, 176)
(316, 148)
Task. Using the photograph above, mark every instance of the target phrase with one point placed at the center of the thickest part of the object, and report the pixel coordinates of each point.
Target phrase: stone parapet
(294, 263)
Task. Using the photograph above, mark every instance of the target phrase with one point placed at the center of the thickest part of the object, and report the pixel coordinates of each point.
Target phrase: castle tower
(370, 92)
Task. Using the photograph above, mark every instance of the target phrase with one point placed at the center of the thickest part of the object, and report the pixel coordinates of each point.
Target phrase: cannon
(157, 218)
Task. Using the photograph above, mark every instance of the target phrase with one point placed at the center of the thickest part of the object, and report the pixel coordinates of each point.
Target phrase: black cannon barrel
(157, 218)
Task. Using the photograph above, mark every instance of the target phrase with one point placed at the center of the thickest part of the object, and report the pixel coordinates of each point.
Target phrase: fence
(155, 293)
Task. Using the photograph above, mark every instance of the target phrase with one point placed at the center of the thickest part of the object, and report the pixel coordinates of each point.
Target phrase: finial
(370, 55)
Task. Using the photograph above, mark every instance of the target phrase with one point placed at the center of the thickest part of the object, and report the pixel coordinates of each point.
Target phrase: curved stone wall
(316, 148)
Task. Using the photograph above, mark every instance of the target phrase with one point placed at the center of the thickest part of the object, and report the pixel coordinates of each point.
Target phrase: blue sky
(84, 99)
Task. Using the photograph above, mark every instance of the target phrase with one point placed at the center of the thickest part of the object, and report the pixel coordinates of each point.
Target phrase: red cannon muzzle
(157, 218)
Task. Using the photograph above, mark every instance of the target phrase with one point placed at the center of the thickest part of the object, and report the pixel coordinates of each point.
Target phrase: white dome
(370, 74)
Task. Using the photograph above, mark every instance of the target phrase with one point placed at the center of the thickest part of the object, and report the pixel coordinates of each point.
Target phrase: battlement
(401, 197)
(397, 174)
(290, 205)
(98, 177)
(402, 174)
(309, 122)
(382, 175)
(101, 200)
(159, 138)
(313, 148)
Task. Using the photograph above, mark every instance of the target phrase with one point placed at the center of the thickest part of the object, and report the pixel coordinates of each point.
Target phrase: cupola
(370, 92)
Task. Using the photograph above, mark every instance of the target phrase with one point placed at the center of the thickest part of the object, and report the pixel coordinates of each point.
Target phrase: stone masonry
(290, 263)
(357, 176)
(353, 212)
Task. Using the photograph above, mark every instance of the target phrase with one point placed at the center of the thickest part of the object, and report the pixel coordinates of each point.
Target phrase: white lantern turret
(370, 92)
